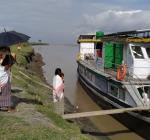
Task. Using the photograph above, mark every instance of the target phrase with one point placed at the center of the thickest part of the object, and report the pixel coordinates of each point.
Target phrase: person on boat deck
(99, 49)
(146, 100)
(5, 86)
(58, 94)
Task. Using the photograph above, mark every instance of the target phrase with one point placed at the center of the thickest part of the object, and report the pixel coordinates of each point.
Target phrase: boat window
(114, 91)
(85, 72)
(88, 75)
(122, 95)
(93, 78)
(140, 91)
(148, 52)
(98, 81)
(137, 52)
(145, 89)
(81, 69)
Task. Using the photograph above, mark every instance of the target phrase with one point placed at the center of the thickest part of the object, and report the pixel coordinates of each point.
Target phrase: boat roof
(88, 38)
(136, 36)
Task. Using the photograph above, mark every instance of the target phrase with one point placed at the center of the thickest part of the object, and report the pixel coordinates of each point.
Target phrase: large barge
(116, 68)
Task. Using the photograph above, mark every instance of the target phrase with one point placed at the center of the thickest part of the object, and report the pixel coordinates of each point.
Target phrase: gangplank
(104, 112)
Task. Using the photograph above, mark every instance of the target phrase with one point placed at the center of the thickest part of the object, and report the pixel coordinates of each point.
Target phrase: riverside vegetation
(34, 118)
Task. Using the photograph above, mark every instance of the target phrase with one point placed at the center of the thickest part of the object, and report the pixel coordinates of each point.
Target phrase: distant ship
(116, 68)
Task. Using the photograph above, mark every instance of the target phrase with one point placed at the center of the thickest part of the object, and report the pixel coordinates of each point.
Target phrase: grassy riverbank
(34, 117)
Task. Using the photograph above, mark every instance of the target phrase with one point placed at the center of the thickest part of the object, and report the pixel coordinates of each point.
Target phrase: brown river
(64, 56)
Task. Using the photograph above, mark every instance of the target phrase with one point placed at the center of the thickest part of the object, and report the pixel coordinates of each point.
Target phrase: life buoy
(121, 72)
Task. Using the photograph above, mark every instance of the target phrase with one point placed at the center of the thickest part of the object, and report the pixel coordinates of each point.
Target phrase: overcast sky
(62, 21)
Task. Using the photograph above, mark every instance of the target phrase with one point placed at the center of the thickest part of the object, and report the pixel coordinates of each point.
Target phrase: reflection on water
(65, 57)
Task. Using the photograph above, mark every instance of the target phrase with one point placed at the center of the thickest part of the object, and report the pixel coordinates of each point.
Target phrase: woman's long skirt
(5, 96)
(59, 106)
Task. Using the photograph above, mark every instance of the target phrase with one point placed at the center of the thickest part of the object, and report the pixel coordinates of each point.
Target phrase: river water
(64, 56)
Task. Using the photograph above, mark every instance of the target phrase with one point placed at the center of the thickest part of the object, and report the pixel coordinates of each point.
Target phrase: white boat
(116, 68)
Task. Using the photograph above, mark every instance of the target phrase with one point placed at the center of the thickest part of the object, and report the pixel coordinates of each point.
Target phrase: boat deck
(111, 73)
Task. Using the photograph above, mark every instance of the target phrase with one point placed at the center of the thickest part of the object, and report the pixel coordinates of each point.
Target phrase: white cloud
(112, 21)
(126, 12)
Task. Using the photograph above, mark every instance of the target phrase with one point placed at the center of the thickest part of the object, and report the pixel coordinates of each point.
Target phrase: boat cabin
(86, 46)
(109, 52)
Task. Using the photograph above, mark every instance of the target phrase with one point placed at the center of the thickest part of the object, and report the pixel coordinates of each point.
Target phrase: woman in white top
(58, 86)
(5, 85)
(58, 92)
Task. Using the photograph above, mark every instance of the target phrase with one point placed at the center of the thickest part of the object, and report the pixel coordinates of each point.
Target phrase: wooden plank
(104, 112)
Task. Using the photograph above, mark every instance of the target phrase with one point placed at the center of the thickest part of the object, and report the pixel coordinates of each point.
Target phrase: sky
(62, 21)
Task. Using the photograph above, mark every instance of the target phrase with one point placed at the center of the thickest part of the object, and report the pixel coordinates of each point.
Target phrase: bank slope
(34, 117)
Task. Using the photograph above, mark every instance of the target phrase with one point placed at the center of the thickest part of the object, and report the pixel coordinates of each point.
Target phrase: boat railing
(100, 68)
(134, 77)
(130, 76)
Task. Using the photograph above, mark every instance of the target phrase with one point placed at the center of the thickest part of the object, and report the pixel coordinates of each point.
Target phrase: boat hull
(129, 120)
(132, 119)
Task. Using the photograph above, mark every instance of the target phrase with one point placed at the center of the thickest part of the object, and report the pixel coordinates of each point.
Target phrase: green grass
(22, 54)
(13, 128)
(68, 130)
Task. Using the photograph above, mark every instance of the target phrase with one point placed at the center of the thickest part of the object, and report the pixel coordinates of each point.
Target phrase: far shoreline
(38, 43)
